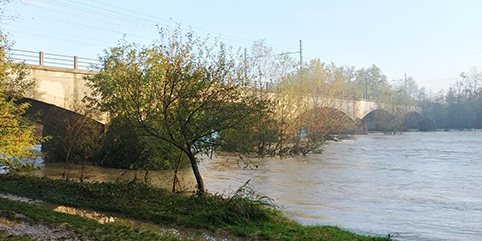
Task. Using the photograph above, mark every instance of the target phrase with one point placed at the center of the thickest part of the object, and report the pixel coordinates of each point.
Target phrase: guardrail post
(41, 58)
(76, 62)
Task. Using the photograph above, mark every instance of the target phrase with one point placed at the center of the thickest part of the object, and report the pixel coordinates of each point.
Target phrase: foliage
(464, 102)
(75, 137)
(370, 83)
(13, 81)
(16, 132)
(178, 90)
(459, 108)
(16, 136)
(306, 103)
(254, 219)
(123, 147)
(259, 137)
(396, 106)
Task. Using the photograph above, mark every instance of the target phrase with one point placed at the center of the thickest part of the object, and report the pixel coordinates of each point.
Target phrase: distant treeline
(458, 108)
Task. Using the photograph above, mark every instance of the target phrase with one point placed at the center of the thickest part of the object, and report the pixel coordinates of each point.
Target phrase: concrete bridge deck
(65, 87)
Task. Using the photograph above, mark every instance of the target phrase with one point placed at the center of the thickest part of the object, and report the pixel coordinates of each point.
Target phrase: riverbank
(236, 215)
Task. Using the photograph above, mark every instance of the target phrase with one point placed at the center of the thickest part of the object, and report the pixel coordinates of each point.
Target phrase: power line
(127, 20)
(62, 34)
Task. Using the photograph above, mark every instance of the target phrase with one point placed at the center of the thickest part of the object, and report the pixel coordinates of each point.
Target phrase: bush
(124, 147)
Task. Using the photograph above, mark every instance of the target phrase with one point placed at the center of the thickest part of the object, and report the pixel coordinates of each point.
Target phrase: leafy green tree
(370, 83)
(306, 100)
(16, 132)
(178, 90)
(16, 135)
(123, 146)
(261, 137)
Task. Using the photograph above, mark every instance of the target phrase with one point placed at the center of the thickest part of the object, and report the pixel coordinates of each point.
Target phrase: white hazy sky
(431, 40)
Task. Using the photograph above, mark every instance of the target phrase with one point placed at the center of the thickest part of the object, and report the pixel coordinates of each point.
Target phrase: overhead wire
(60, 39)
(62, 34)
(115, 17)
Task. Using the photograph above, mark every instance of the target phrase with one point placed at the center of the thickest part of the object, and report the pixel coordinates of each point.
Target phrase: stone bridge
(65, 87)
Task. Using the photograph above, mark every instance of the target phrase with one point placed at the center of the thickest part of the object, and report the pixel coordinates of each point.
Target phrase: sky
(432, 41)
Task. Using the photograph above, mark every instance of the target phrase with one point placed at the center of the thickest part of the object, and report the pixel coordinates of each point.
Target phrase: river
(414, 186)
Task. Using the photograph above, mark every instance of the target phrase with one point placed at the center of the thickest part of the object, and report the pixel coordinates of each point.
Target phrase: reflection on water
(100, 174)
(421, 186)
(101, 218)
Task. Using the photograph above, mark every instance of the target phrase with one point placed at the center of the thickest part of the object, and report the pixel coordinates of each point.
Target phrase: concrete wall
(63, 87)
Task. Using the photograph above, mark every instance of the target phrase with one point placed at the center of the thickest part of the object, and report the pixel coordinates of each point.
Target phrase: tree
(397, 103)
(370, 83)
(16, 132)
(16, 135)
(124, 146)
(306, 100)
(464, 101)
(178, 90)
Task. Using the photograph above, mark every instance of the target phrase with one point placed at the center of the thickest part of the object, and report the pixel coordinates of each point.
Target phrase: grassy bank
(64, 225)
(237, 215)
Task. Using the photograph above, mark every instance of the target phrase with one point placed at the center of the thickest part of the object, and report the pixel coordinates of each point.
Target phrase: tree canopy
(178, 90)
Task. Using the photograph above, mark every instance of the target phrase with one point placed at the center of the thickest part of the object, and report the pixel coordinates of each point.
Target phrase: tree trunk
(176, 180)
(195, 170)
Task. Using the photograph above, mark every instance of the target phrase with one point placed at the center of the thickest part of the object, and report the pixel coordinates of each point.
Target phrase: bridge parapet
(53, 60)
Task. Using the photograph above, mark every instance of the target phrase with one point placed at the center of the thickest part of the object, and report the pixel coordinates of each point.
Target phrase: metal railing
(48, 59)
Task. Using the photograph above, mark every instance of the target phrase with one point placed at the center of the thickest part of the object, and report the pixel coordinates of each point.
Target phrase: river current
(414, 186)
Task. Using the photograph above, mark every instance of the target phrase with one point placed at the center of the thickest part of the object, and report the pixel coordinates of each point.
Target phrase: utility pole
(245, 67)
(405, 82)
(298, 52)
(301, 55)
(366, 85)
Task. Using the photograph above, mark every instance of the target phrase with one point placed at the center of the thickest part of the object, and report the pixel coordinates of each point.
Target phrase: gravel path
(38, 231)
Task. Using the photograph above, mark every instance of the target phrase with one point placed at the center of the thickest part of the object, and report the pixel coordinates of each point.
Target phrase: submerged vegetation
(236, 214)
(180, 98)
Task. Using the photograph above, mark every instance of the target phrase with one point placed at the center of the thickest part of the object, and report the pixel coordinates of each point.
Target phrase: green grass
(6, 237)
(238, 215)
(84, 228)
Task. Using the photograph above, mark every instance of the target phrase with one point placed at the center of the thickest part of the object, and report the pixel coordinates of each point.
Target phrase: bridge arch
(380, 120)
(375, 119)
(413, 120)
(62, 125)
(325, 120)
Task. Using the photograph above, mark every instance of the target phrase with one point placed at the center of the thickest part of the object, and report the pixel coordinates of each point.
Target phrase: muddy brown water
(414, 186)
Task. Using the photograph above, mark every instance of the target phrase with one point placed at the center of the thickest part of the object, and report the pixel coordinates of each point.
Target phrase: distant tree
(397, 103)
(464, 101)
(306, 101)
(178, 90)
(370, 83)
